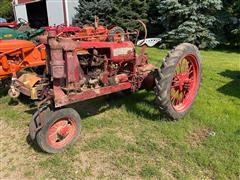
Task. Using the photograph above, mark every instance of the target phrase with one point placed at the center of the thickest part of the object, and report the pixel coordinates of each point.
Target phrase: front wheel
(61, 129)
(178, 80)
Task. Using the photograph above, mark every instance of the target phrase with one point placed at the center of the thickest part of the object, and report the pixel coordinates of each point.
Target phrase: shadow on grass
(3, 92)
(233, 87)
(117, 100)
(21, 99)
(226, 49)
(101, 104)
(237, 132)
(33, 144)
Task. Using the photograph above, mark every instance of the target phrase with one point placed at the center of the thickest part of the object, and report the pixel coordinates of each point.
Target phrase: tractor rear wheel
(178, 80)
(60, 130)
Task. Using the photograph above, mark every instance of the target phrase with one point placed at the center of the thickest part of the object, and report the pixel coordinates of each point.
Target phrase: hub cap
(61, 132)
(184, 83)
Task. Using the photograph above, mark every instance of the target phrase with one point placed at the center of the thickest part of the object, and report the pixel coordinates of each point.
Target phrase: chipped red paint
(63, 29)
(126, 49)
(90, 94)
(120, 67)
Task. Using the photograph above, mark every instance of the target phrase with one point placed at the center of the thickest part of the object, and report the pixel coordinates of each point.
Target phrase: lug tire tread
(164, 78)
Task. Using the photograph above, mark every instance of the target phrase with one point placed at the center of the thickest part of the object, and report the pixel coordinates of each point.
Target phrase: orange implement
(16, 55)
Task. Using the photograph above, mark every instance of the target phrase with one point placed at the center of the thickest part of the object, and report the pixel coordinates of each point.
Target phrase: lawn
(126, 137)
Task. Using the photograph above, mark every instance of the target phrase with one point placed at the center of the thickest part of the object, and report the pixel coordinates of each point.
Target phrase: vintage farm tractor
(89, 33)
(16, 55)
(81, 70)
(100, 33)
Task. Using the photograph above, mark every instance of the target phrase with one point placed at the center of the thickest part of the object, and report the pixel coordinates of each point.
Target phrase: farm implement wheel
(61, 128)
(14, 93)
(178, 80)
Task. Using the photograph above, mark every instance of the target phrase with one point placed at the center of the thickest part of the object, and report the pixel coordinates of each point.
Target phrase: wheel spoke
(178, 101)
(176, 73)
(174, 86)
(180, 67)
(175, 83)
(185, 66)
(175, 97)
(190, 69)
(183, 95)
(175, 79)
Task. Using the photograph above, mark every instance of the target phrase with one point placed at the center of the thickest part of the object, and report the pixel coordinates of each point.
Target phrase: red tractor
(81, 70)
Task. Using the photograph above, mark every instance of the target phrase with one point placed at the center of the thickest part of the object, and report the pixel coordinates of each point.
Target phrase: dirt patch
(16, 156)
(198, 136)
(98, 164)
(128, 137)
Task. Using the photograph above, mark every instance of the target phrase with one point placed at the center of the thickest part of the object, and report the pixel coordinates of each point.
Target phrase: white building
(45, 12)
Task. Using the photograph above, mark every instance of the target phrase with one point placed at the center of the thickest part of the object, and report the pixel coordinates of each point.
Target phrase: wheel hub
(61, 132)
(64, 131)
(184, 83)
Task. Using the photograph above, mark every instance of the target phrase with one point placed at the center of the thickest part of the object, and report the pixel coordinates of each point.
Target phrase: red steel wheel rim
(61, 132)
(184, 83)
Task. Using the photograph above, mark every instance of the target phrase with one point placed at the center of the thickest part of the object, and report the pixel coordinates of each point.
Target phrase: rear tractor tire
(61, 129)
(178, 81)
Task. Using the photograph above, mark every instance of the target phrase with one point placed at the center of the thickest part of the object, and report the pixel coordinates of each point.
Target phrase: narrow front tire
(60, 130)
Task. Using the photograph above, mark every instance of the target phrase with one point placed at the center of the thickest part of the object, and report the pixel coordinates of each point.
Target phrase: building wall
(55, 12)
(71, 9)
(21, 12)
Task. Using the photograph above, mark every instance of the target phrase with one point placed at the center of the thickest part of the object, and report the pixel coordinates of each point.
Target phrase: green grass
(126, 136)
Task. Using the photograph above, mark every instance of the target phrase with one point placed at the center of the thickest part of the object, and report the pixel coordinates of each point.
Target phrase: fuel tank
(116, 51)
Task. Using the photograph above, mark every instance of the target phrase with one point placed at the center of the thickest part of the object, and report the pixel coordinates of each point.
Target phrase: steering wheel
(22, 21)
(144, 28)
(140, 27)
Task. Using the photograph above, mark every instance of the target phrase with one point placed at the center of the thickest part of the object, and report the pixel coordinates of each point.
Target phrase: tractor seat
(150, 42)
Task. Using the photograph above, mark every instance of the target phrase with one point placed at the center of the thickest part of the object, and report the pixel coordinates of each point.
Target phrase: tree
(189, 21)
(88, 9)
(6, 10)
(229, 23)
(154, 26)
(126, 12)
(118, 12)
